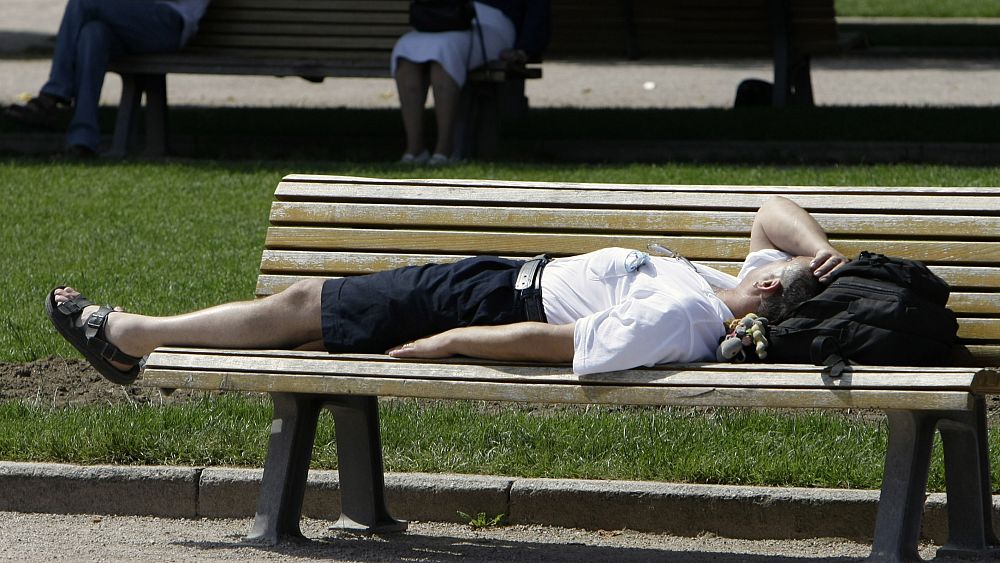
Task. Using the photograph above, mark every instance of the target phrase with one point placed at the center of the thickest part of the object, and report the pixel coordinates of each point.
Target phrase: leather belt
(528, 286)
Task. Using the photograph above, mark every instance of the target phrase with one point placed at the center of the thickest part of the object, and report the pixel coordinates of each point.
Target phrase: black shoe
(43, 111)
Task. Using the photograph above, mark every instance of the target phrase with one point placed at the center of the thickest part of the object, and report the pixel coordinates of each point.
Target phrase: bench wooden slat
(548, 393)
(307, 28)
(323, 5)
(261, 43)
(713, 375)
(666, 221)
(325, 16)
(320, 181)
(695, 248)
(638, 199)
(979, 329)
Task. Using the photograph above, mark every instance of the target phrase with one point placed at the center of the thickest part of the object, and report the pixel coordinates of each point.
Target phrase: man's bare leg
(290, 319)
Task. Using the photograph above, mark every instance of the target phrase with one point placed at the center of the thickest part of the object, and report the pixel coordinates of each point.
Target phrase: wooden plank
(546, 393)
(624, 220)
(565, 244)
(328, 5)
(266, 29)
(976, 303)
(643, 199)
(280, 41)
(560, 369)
(979, 329)
(787, 377)
(720, 188)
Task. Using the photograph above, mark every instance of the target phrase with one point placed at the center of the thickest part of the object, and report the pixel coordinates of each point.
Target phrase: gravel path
(46, 537)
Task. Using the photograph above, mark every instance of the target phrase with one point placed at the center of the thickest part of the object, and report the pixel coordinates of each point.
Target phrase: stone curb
(677, 509)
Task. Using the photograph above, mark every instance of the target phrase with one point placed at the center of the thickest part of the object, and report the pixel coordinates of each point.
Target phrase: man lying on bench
(607, 310)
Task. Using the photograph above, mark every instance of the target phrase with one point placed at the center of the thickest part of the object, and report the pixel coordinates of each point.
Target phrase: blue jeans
(91, 33)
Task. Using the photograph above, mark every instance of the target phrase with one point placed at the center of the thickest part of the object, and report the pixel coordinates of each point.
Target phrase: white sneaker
(415, 159)
(440, 160)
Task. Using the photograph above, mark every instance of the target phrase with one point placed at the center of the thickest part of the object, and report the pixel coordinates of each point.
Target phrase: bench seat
(330, 226)
(689, 385)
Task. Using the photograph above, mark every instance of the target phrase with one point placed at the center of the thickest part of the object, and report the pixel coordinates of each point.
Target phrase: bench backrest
(339, 226)
(686, 28)
(295, 37)
(355, 37)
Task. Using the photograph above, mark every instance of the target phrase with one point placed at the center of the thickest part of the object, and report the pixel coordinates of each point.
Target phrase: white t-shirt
(661, 313)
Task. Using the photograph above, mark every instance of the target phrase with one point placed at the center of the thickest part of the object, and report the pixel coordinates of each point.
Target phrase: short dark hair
(798, 284)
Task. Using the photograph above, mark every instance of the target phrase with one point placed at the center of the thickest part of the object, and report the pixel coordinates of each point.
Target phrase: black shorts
(375, 312)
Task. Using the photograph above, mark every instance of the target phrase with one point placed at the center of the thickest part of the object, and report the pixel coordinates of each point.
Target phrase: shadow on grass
(558, 134)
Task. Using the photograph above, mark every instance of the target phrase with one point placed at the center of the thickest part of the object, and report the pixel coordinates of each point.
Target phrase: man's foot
(42, 111)
(415, 159)
(85, 326)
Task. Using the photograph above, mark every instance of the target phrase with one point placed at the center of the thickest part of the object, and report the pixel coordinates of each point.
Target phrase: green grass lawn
(166, 237)
(728, 446)
(920, 8)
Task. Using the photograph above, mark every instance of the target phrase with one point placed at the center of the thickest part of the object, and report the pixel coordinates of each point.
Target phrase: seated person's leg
(411, 85)
(447, 94)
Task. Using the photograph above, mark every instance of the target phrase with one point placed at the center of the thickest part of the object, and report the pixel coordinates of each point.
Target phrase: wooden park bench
(340, 226)
(789, 32)
(312, 39)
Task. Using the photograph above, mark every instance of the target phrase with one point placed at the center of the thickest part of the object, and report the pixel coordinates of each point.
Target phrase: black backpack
(878, 311)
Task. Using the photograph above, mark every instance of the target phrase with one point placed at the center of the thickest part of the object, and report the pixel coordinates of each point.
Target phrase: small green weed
(481, 520)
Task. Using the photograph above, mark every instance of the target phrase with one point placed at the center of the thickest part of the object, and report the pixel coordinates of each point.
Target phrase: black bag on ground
(441, 15)
(878, 311)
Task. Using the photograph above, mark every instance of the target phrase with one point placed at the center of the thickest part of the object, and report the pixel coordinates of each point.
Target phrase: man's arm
(781, 224)
(530, 341)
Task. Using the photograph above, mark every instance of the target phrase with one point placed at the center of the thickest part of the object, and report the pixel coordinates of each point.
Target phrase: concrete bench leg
(359, 458)
(293, 431)
(134, 86)
(792, 70)
(482, 106)
(900, 507)
(126, 122)
(967, 475)
(904, 485)
(156, 114)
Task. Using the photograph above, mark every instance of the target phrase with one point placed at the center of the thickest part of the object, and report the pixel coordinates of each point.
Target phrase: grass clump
(224, 430)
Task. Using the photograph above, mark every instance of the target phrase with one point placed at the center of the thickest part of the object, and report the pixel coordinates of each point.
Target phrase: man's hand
(435, 346)
(825, 262)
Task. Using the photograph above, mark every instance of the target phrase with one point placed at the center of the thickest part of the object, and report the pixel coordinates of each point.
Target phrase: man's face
(774, 270)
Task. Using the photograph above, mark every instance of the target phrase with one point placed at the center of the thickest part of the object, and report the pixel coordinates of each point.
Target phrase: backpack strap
(825, 351)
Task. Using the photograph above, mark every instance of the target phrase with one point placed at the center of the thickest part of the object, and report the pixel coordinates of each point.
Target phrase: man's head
(782, 286)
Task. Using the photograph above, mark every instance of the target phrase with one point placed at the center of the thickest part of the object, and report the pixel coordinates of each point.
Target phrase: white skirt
(458, 51)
